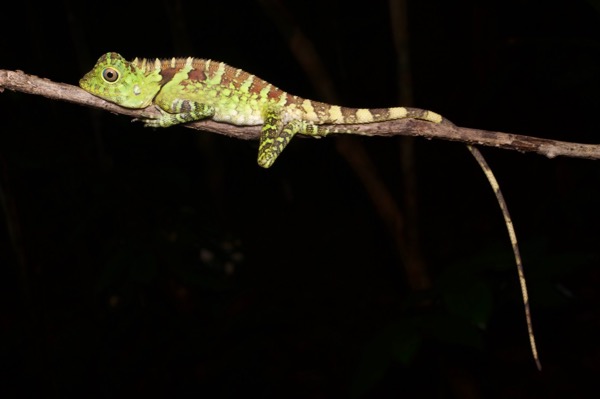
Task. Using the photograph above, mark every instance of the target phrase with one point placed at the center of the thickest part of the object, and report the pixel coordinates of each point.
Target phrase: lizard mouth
(85, 85)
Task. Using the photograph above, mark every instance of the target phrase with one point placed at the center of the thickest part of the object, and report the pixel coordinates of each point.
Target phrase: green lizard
(191, 89)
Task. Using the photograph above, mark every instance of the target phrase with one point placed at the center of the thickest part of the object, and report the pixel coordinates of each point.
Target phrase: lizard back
(242, 98)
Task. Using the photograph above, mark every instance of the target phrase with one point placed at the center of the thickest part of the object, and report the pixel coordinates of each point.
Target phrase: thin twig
(22, 82)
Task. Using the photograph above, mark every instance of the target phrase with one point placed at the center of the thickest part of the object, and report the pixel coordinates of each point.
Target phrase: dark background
(139, 262)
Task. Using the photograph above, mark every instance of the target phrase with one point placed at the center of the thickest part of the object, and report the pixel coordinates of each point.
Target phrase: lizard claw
(148, 122)
(266, 159)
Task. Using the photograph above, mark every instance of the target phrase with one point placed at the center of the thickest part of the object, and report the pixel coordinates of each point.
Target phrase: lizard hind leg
(275, 136)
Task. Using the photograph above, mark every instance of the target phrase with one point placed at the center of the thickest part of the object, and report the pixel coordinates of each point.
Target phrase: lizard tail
(515, 246)
(325, 114)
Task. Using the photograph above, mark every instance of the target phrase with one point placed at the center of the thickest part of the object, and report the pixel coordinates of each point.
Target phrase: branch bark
(22, 82)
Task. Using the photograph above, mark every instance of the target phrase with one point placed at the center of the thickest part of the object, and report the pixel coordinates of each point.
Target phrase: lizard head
(121, 82)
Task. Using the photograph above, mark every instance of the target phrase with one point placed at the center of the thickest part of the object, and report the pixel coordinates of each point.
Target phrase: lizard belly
(235, 117)
(241, 112)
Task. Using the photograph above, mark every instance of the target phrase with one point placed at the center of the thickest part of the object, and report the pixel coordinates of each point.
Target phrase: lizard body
(190, 89)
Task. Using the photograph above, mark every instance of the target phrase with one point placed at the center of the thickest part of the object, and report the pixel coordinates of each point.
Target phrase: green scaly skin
(191, 89)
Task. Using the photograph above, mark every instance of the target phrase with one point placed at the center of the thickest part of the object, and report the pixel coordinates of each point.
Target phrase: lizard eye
(110, 75)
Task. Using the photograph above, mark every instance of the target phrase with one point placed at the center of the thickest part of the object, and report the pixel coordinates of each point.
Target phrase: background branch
(22, 82)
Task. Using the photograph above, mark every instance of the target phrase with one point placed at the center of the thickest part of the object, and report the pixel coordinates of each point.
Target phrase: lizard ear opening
(110, 75)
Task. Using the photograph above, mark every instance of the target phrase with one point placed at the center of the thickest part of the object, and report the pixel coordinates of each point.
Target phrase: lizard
(191, 89)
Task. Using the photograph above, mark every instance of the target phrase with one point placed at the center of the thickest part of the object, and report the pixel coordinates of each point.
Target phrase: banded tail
(325, 114)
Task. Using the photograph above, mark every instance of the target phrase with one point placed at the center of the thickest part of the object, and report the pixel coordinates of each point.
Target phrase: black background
(138, 261)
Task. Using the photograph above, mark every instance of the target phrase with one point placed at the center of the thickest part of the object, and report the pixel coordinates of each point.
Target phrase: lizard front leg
(180, 111)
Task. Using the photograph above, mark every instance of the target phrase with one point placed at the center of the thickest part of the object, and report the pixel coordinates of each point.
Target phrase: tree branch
(22, 82)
